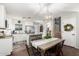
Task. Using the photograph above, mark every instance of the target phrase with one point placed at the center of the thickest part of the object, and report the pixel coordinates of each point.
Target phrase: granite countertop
(3, 37)
(35, 34)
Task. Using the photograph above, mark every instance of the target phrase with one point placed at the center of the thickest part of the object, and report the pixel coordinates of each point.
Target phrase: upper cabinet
(2, 16)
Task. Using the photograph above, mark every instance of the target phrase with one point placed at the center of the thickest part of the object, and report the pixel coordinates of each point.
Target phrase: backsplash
(2, 34)
(6, 32)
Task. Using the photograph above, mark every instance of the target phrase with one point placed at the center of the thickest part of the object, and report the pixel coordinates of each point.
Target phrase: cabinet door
(2, 16)
(5, 46)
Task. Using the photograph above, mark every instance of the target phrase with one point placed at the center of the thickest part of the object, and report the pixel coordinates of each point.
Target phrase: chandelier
(48, 15)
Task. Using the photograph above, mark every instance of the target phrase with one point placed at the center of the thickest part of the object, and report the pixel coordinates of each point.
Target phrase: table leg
(42, 53)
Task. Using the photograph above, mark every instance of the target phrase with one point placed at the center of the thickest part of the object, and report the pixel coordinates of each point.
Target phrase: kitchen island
(27, 37)
(6, 45)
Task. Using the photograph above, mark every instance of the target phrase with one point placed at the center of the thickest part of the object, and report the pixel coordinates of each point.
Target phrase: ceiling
(39, 9)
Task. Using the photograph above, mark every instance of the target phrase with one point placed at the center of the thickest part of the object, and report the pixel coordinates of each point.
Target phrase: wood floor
(67, 51)
(70, 51)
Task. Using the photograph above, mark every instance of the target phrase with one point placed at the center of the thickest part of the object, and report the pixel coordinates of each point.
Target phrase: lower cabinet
(5, 46)
(19, 37)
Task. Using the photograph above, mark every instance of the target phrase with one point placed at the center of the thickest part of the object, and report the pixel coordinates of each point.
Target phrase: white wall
(77, 31)
(65, 17)
(2, 16)
(12, 20)
(70, 17)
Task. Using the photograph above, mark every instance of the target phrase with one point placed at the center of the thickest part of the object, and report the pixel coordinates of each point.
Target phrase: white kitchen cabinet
(2, 16)
(71, 37)
(19, 37)
(5, 46)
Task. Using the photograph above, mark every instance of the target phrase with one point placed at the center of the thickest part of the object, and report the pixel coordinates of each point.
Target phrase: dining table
(42, 45)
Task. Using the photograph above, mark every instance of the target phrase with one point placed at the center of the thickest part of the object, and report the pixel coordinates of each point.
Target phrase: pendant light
(48, 16)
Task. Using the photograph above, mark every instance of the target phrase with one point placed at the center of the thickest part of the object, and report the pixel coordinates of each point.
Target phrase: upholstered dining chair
(34, 51)
(31, 50)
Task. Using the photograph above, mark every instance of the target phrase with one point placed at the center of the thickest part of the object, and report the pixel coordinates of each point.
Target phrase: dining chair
(59, 48)
(57, 35)
(56, 50)
(34, 51)
(51, 51)
(30, 50)
(27, 48)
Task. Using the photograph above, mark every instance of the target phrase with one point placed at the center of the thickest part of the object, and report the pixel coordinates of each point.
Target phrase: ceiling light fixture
(42, 6)
(48, 16)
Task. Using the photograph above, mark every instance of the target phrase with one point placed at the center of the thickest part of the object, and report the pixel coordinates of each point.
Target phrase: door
(57, 27)
(69, 36)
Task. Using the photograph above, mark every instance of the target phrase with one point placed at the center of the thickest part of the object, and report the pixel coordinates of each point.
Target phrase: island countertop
(4, 37)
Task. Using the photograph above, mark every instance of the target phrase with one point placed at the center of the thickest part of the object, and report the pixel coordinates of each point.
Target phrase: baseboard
(71, 47)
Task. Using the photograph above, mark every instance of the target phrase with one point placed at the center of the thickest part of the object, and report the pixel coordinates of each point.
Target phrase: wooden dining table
(43, 45)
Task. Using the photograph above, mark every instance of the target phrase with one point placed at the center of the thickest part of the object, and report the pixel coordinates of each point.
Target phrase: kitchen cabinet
(25, 37)
(5, 46)
(19, 37)
(2, 16)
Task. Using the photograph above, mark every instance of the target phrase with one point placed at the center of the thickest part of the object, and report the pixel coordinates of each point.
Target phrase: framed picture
(18, 26)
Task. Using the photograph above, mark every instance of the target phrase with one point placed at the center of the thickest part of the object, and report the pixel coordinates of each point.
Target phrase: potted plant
(48, 35)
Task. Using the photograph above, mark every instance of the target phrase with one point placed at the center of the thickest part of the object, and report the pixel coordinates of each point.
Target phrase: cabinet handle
(73, 34)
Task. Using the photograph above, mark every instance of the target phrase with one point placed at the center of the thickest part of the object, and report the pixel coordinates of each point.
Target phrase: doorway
(57, 27)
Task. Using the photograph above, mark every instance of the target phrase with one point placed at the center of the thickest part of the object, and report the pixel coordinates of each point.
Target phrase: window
(18, 26)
